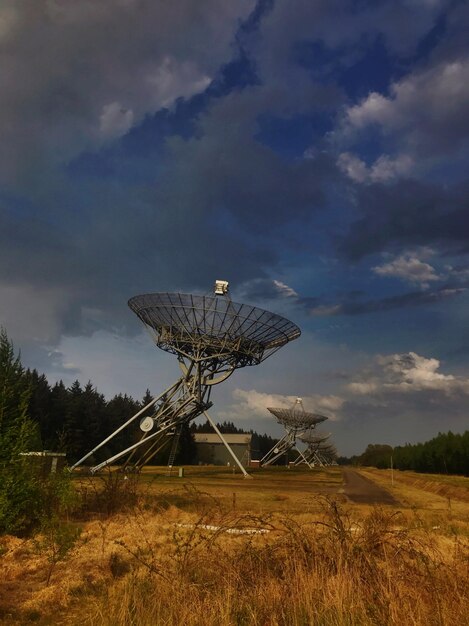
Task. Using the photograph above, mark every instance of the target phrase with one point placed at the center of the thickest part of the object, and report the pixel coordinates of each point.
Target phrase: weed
(56, 539)
(334, 571)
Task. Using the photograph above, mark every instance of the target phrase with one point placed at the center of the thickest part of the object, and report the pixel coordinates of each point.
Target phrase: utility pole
(392, 468)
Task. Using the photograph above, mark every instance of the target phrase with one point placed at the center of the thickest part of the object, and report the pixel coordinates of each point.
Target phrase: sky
(313, 153)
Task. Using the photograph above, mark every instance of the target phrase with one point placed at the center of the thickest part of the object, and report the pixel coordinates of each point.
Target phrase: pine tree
(39, 408)
(19, 494)
(187, 450)
(57, 416)
(147, 398)
(118, 410)
(17, 432)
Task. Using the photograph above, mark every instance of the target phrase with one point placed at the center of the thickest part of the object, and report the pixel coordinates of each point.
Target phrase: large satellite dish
(296, 421)
(318, 451)
(211, 336)
(312, 438)
(203, 328)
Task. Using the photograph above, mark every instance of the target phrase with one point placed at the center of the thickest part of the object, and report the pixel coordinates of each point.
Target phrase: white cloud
(115, 120)
(284, 290)
(407, 373)
(253, 404)
(409, 267)
(354, 167)
(383, 169)
(425, 114)
(172, 79)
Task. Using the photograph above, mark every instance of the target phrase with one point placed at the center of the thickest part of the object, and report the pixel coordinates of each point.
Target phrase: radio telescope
(314, 442)
(326, 454)
(295, 420)
(211, 336)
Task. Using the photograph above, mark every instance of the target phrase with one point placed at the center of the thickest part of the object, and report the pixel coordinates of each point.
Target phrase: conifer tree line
(35, 415)
(447, 453)
(75, 419)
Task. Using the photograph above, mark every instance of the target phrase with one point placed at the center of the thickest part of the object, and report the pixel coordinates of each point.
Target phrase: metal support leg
(305, 460)
(118, 430)
(285, 444)
(235, 458)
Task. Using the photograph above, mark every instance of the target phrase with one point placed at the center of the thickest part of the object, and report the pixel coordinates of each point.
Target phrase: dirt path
(361, 490)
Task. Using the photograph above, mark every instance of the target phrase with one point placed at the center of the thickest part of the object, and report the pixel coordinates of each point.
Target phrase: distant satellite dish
(298, 423)
(146, 424)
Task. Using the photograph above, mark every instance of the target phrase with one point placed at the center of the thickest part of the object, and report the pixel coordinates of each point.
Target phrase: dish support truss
(295, 421)
(318, 452)
(325, 455)
(182, 402)
(286, 443)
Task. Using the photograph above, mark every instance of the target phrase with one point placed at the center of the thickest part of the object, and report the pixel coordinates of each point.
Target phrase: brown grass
(321, 563)
(331, 571)
(446, 486)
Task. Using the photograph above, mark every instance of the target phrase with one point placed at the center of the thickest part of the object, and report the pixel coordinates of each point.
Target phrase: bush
(26, 497)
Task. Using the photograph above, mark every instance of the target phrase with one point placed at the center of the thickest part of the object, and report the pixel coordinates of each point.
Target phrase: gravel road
(362, 490)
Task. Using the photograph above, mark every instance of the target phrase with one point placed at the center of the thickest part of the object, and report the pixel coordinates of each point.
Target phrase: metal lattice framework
(211, 336)
(213, 328)
(325, 454)
(295, 420)
(317, 451)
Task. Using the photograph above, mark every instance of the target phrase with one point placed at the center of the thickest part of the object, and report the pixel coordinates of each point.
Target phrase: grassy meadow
(214, 549)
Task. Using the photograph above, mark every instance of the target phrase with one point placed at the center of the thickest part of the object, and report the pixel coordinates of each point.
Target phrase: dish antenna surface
(211, 336)
(295, 420)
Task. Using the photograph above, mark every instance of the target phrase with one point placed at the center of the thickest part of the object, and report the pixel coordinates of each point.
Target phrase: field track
(362, 490)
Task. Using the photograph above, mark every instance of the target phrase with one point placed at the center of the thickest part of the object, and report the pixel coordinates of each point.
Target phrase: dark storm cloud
(219, 201)
(408, 213)
(353, 302)
(77, 74)
(226, 169)
(214, 206)
(410, 299)
(344, 26)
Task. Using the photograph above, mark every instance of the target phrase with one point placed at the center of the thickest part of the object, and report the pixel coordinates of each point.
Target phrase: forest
(75, 419)
(447, 453)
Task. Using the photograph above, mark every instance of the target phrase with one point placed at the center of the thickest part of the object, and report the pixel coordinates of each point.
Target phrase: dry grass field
(169, 551)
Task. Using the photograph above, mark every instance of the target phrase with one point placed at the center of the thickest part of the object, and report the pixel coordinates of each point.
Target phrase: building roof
(213, 438)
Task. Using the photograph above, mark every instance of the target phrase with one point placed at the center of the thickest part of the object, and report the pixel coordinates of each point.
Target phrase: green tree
(19, 495)
(187, 450)
(377, 455)
(118, 410)
(39, 408)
